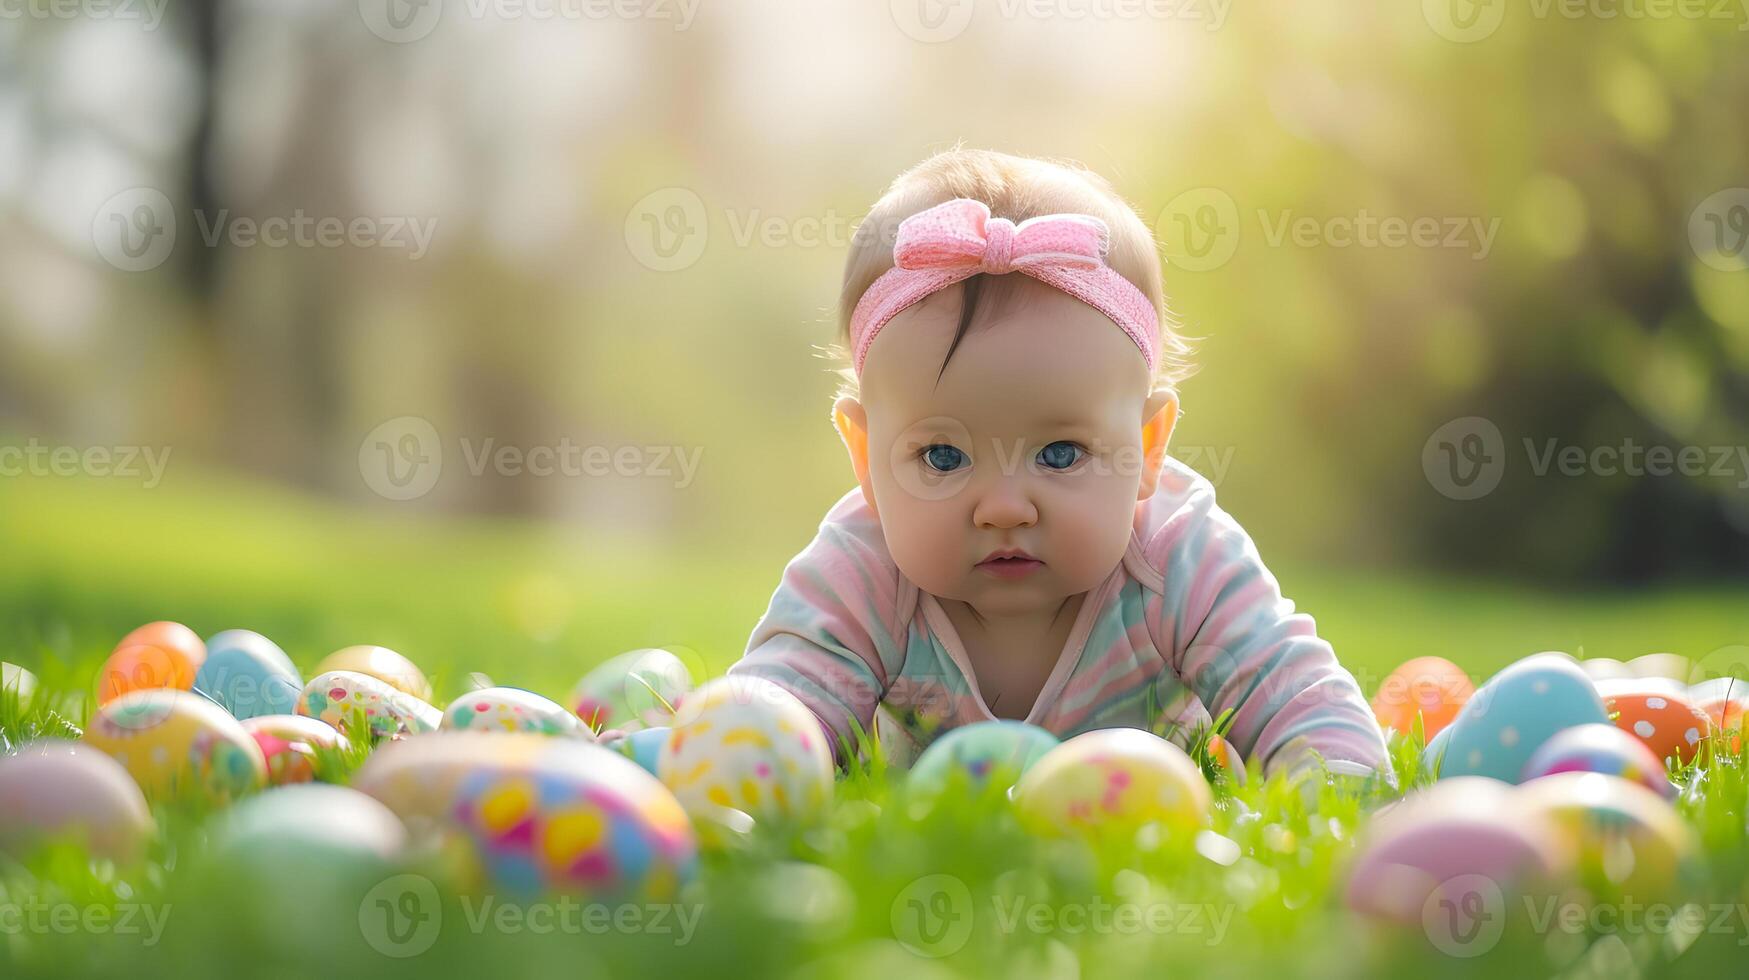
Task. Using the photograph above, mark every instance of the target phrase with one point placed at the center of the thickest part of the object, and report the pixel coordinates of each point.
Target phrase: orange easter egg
(1667, 722)
(1432, 687)
(157, 655)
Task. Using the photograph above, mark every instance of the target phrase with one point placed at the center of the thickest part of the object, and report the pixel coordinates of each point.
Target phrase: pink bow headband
(957, 239)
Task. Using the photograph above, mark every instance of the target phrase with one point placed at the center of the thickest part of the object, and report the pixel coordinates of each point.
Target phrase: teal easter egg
(635, 689)
(981, 751)
(1512, 715)
(533, 815)
(1600, 748)
(509, 709)
(644, 746)
(249, 675)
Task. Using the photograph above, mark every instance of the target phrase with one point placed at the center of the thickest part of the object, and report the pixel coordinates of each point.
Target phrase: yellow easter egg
(1112, 781)
(338, 696)
(747, 744)
(1623, 831)
(177, 743)
(382, 663)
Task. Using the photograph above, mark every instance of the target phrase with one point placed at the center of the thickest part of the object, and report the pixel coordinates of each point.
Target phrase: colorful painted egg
(1431, 687)
(249, 674)
(633, 689)
(290, 742)
(179, 743)
(1113, 780)
(979, 751)
(1623, 831)
(1440, 843)
(1600, 748)
(745, 743)
(644, 746)
(16, 683)
(1513, 714)
(339, 695)
(157, 655)
(1664, 720)
(381, 663)
(540, 815)
(54, 789)
(509, 709)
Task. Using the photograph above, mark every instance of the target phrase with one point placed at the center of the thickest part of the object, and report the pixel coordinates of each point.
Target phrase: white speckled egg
(747, 744)
(509, 709)
(631, 690)
(337, 695)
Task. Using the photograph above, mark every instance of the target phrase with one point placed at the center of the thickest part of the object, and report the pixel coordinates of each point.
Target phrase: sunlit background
(343, 280)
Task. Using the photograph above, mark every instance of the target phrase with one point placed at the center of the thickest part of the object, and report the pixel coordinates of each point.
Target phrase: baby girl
(1019, 544)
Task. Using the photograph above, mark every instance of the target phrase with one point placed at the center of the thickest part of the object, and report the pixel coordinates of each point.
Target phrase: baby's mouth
(1013, 566)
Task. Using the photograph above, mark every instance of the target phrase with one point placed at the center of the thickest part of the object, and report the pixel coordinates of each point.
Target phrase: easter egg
(16, 684)
(341, 695)
(1515, 712)
(1600, 748)
(1113, 780)
(644, 746)
(639, 686)
(178, 742)
(295, 822)
(1664, 720)
(1605, 668)
(539, 815)
(1623, 831)
(157, 655)
(381, 663)
(745, 743)
(289, 743)
(508, 709)
(1442, 843)
(1227, 758)
(249, 674)
(978, 751)
(1430, 687)
(1724, 700)
(54, 789)
(1433, 754)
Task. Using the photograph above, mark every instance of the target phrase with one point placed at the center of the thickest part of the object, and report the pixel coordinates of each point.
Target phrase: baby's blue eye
(943, 458)
(1059, 455)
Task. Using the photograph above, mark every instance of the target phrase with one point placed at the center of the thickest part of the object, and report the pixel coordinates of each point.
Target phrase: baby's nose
(1004, 505)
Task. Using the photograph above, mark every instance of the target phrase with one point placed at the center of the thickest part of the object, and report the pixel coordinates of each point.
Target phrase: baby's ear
(851, 420)
(1159, 415)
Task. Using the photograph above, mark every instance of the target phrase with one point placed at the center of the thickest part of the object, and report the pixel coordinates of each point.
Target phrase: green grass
(1258, 895)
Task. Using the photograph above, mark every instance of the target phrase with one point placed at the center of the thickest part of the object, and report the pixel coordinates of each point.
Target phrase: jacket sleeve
(829, 635)
(1238, 643)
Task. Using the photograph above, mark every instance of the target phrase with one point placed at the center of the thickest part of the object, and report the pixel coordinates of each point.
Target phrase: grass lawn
(81, 563)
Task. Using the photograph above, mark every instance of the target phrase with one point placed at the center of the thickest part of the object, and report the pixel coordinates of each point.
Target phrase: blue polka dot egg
(1513, 714)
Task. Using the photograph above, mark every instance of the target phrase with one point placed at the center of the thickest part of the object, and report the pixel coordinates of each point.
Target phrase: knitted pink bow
(957, 239)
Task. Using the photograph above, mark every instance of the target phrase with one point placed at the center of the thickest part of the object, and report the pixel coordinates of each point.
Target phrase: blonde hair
(1015, 188)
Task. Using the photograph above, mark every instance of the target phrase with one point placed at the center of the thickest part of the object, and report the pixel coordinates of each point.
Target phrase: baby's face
(1032, 440)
